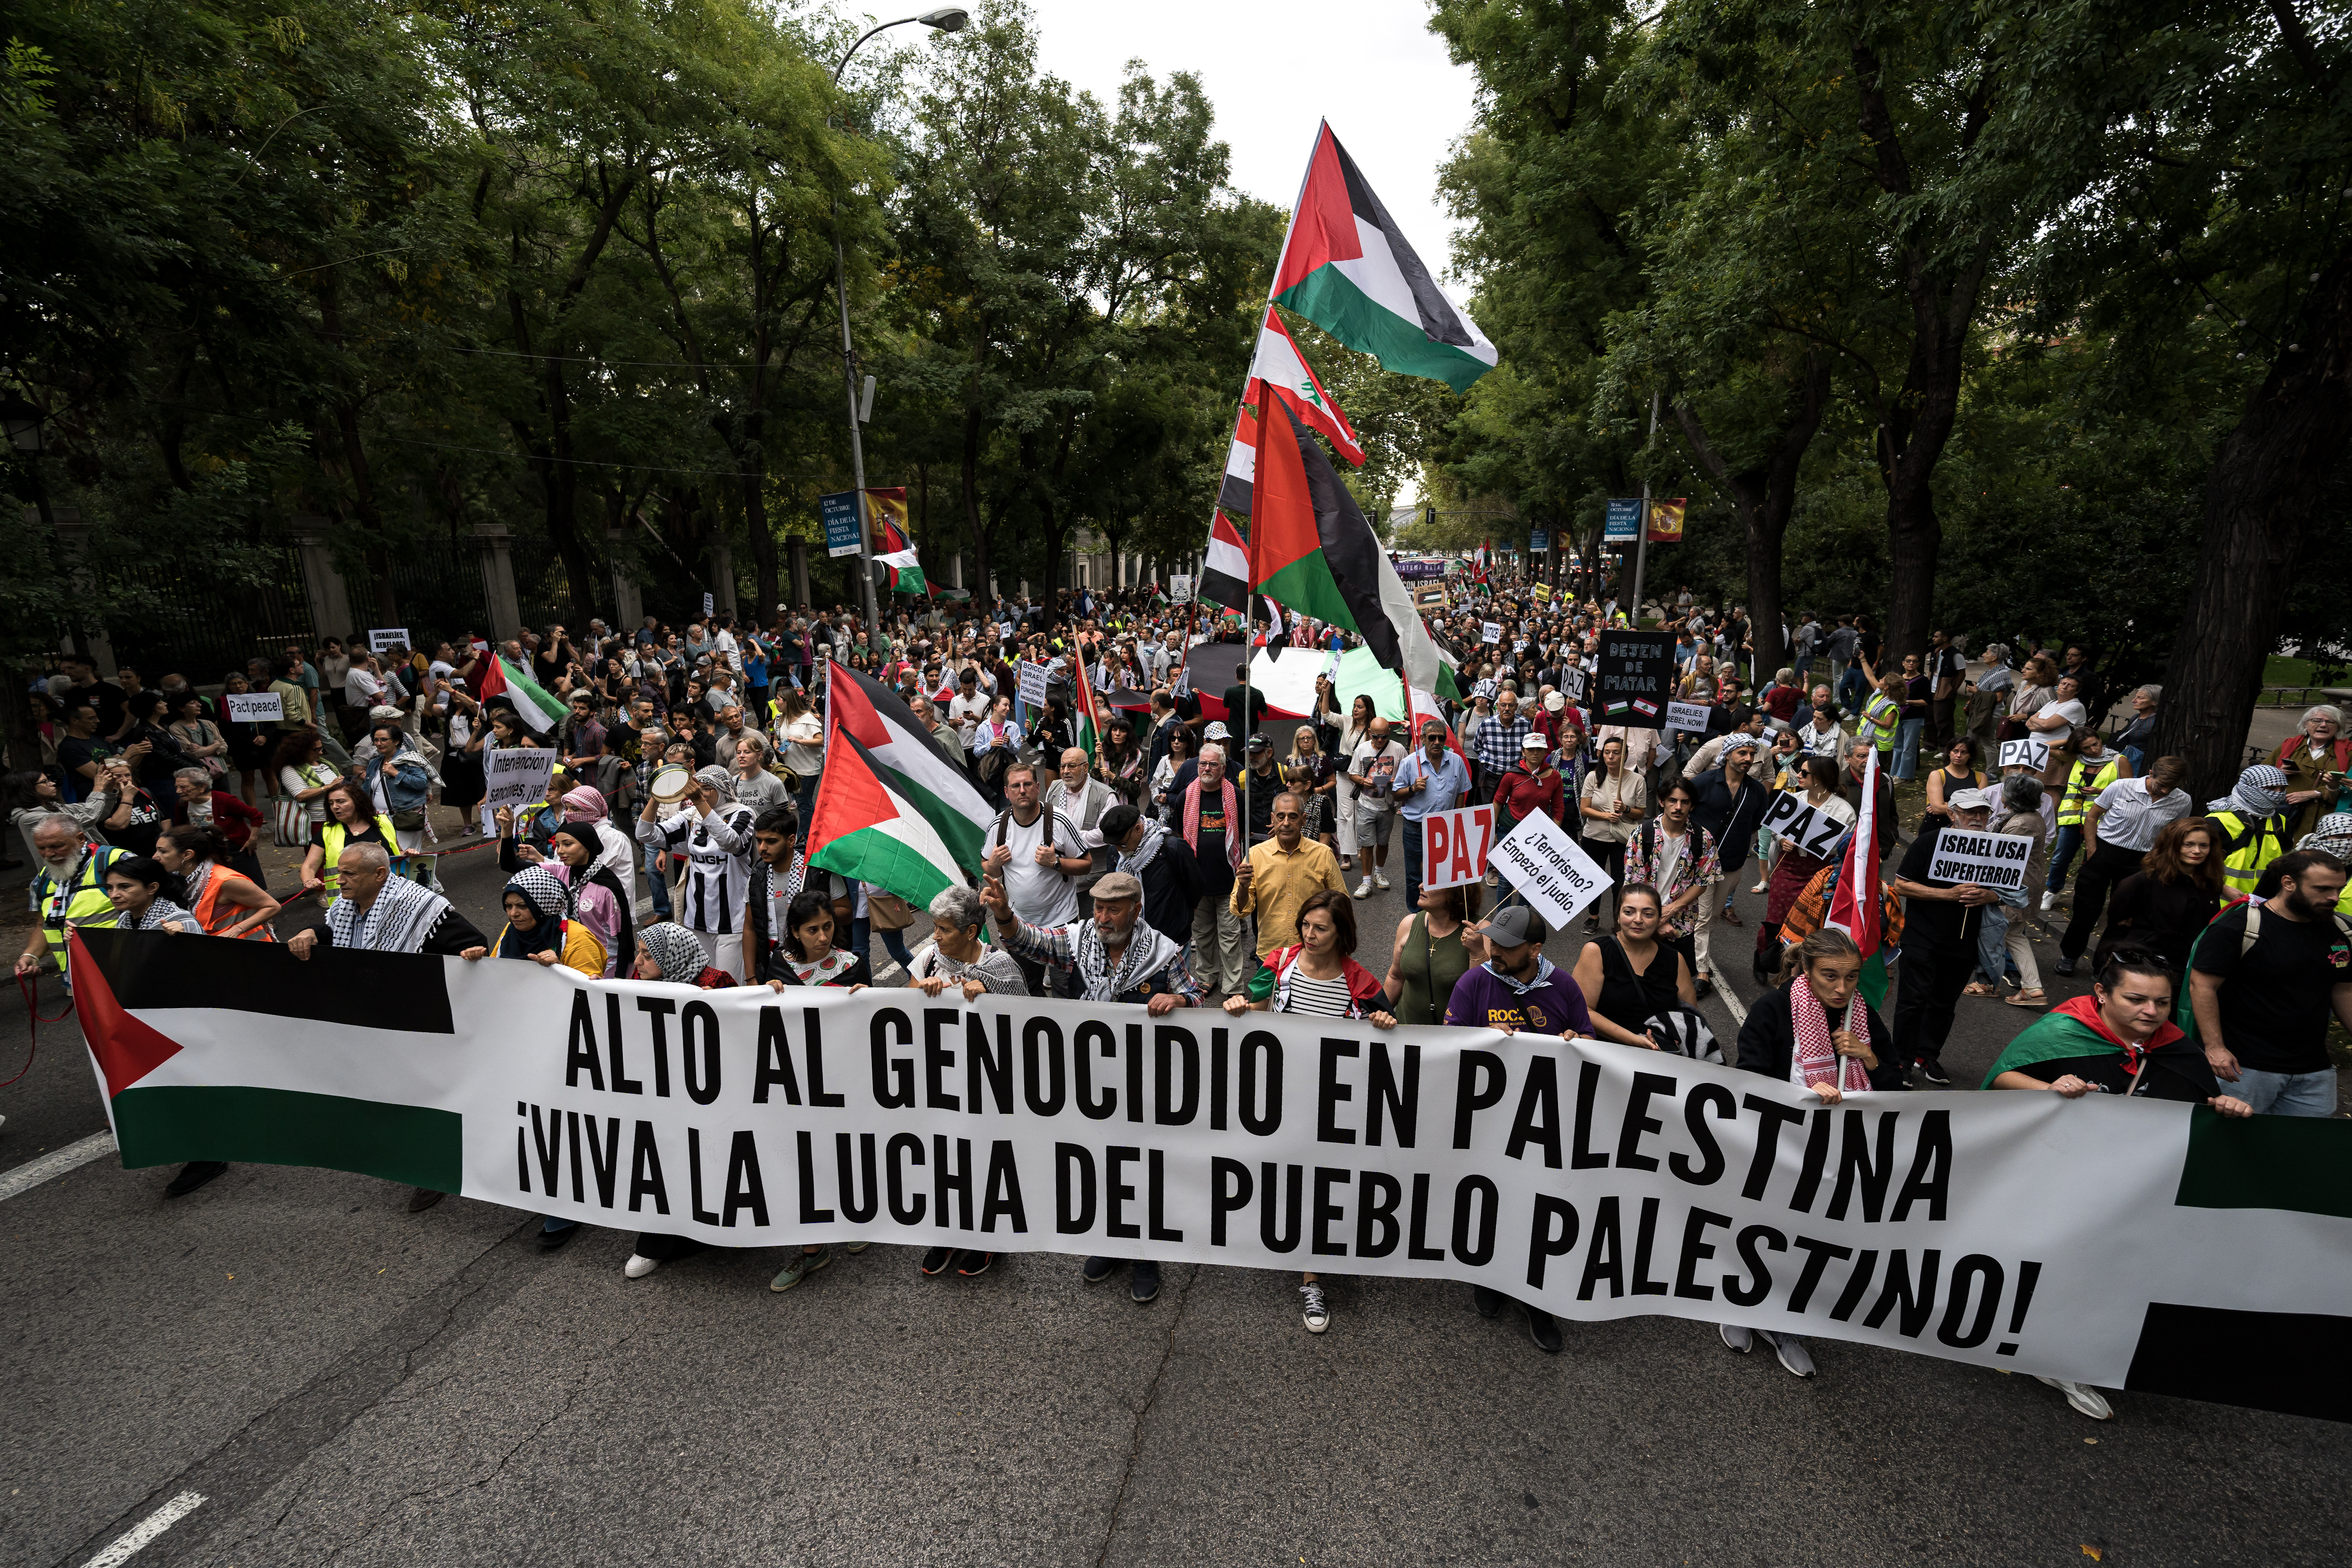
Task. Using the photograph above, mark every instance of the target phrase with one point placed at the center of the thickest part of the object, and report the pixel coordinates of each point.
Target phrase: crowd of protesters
(1209, 850)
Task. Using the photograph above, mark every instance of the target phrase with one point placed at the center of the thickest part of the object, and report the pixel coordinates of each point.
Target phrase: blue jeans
(657, 880)
(1411, 863)
(2285, 1093)
(861, 942)
(1907, 747)
(2062, 855)
(1993, 962)
(1853, 687)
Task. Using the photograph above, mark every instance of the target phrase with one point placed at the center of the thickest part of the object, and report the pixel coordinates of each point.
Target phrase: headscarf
(584, 803)
(675, 950)
(721, 783)
(550, 904)
(2260, 792)
(600, 899)
(2332, 833)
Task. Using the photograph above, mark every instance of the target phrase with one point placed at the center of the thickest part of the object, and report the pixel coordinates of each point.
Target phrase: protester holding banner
(1614, 802)
(224, 902)
(1318, 977)
(1434, 947)
(1797, 865)
(1942, 919)
(1634, 976)
(807, 951)
(2121, 823)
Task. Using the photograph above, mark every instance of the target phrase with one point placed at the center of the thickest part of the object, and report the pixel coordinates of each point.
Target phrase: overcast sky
(1372, 67)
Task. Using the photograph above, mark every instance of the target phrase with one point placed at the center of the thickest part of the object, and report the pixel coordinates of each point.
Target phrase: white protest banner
(1331, 667)
(1551, 872)
(1454, 846)
(1034, 678)
(1590, 1180)
(383, 638)
(255, 707)
(709, 604)
(1810, 829)
(514, 776)
(1490, 631)
(2031, 752)
(1688, 716)
(1995, 860)
(1518, 645)
(1180, 588)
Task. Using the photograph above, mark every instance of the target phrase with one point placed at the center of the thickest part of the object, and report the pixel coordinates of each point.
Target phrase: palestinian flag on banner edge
(536, 706)
(1854, 906)
(869, 831)
(246, 1095)
(1347, 268)
(1224, 573)
(864, 710)
(1317, 553)
(1281, 368)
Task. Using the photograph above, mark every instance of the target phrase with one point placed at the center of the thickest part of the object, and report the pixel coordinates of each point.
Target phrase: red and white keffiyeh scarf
(1230, 803)
(1815, 1057)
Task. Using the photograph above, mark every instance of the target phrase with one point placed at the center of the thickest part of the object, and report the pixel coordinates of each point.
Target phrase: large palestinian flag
(868, 829)
(870, 713)
(1346, 267)
(1317, 554)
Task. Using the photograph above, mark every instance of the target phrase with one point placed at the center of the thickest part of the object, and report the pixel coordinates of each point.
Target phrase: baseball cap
(1555, 702)
(1535, 742)
(1513, 927)
(1259, 743)
(1973, 799)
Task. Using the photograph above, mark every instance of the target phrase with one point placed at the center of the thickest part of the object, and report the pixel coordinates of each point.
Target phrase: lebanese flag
(1241, 468)
(1225, 578)
(1281, 370)
(1345, 267)
(1854, 907)
(1316, 553)
(868, 830)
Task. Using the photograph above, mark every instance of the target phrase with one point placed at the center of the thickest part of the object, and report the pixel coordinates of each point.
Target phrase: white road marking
(139, 1535)
(55, 1162)
(1732, 1005)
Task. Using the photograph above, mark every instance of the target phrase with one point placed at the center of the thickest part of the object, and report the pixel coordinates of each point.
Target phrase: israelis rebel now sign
(1994, 861)
(1454, 846)
(1540, 859)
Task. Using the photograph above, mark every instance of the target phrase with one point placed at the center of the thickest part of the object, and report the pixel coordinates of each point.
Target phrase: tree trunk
(968, 479)
(2264, 494)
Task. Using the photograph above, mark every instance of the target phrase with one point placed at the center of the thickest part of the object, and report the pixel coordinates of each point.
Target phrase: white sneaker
(1794, 1356)
(1759, 887)
(1364, 889)
(1316, 1316)
(2082, 1396)
(2049, 901)
(1737, 1338)
(1380, 880)
(637, 1268)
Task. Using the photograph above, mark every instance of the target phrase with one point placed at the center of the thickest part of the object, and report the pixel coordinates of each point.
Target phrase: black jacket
(1171, 887)
(1768, 1041)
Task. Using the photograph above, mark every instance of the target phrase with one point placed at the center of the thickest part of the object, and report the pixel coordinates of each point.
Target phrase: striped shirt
(2129, 815)
(1318, 999)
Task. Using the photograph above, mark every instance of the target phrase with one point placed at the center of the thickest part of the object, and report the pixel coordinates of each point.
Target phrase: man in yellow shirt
(1281, 874)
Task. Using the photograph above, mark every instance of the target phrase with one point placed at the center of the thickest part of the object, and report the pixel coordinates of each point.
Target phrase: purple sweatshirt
(1552, 1005)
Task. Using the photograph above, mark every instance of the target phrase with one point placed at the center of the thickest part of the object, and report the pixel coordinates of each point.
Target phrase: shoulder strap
(2254, 928)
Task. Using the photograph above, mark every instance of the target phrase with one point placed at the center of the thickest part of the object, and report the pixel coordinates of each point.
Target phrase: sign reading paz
(1789, 817)
(1994, 861)
(253, 707)
(1455, 844)
(2030, 752)
(1555, 877)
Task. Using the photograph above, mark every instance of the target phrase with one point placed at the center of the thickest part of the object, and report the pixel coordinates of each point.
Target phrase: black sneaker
(972, 1265)
(937, 1259)
(1488, 1302)
(549, 1240)
(2065, 965)
(1543, 1330)
(194, 1175)
(1098, 1269)
(1145, 1285)
(1931, 1070)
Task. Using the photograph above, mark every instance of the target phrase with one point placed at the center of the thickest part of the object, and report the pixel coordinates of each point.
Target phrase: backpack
(2184, 1016)
(1051, 816)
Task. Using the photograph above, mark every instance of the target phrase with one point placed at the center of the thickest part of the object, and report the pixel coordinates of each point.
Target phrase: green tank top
(1431, 966)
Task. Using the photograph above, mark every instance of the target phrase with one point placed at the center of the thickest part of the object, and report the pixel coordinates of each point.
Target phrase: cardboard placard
(1034, 679)
(1542, 861)
(255, 707)
(1454, 846)
(1791, 818)
(1180, 588)
(514, 777)
(1688, 716)
(2031, 752)
(708, 605)
(1490, 631)
(1636, 679)
(383, 638)
(1994, 861)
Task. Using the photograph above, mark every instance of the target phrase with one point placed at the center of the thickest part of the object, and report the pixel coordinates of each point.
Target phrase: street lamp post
(947, 19)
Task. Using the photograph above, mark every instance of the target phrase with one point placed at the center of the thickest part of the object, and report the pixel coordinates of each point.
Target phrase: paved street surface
(340, 1381)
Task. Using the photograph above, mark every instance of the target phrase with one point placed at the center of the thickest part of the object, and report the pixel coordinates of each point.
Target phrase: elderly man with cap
(1940, 922)
(1432, 779)
(1518, 988)
(1112, 956)
(712, 835)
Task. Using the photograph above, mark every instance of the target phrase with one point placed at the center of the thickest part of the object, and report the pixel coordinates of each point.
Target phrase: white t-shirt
(1376, 765)
(360, 689)
(966, 712)
(2072, 712)
(1040, 894)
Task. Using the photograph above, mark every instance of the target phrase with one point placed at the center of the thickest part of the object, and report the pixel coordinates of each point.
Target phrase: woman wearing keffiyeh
(539, 926)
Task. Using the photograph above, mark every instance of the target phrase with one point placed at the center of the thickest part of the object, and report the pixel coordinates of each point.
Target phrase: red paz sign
(1455, 844)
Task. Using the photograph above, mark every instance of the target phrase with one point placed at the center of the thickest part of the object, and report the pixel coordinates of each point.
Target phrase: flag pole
(1642, 545)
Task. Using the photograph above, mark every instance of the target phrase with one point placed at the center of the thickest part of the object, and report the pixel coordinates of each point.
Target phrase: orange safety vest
(217, 916)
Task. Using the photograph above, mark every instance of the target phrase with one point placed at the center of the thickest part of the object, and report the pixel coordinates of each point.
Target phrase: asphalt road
(340, 1381)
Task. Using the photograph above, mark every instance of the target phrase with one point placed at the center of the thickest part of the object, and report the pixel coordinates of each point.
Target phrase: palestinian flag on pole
(868, 829)
(1225, 578)
(1090, 713)
(1241, 468)
(1346, 267)
(892, 546)
(1316, 553)
(1280, 371)
(1854, 908)
(859, 707)
(538, 707)
(905, 573)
